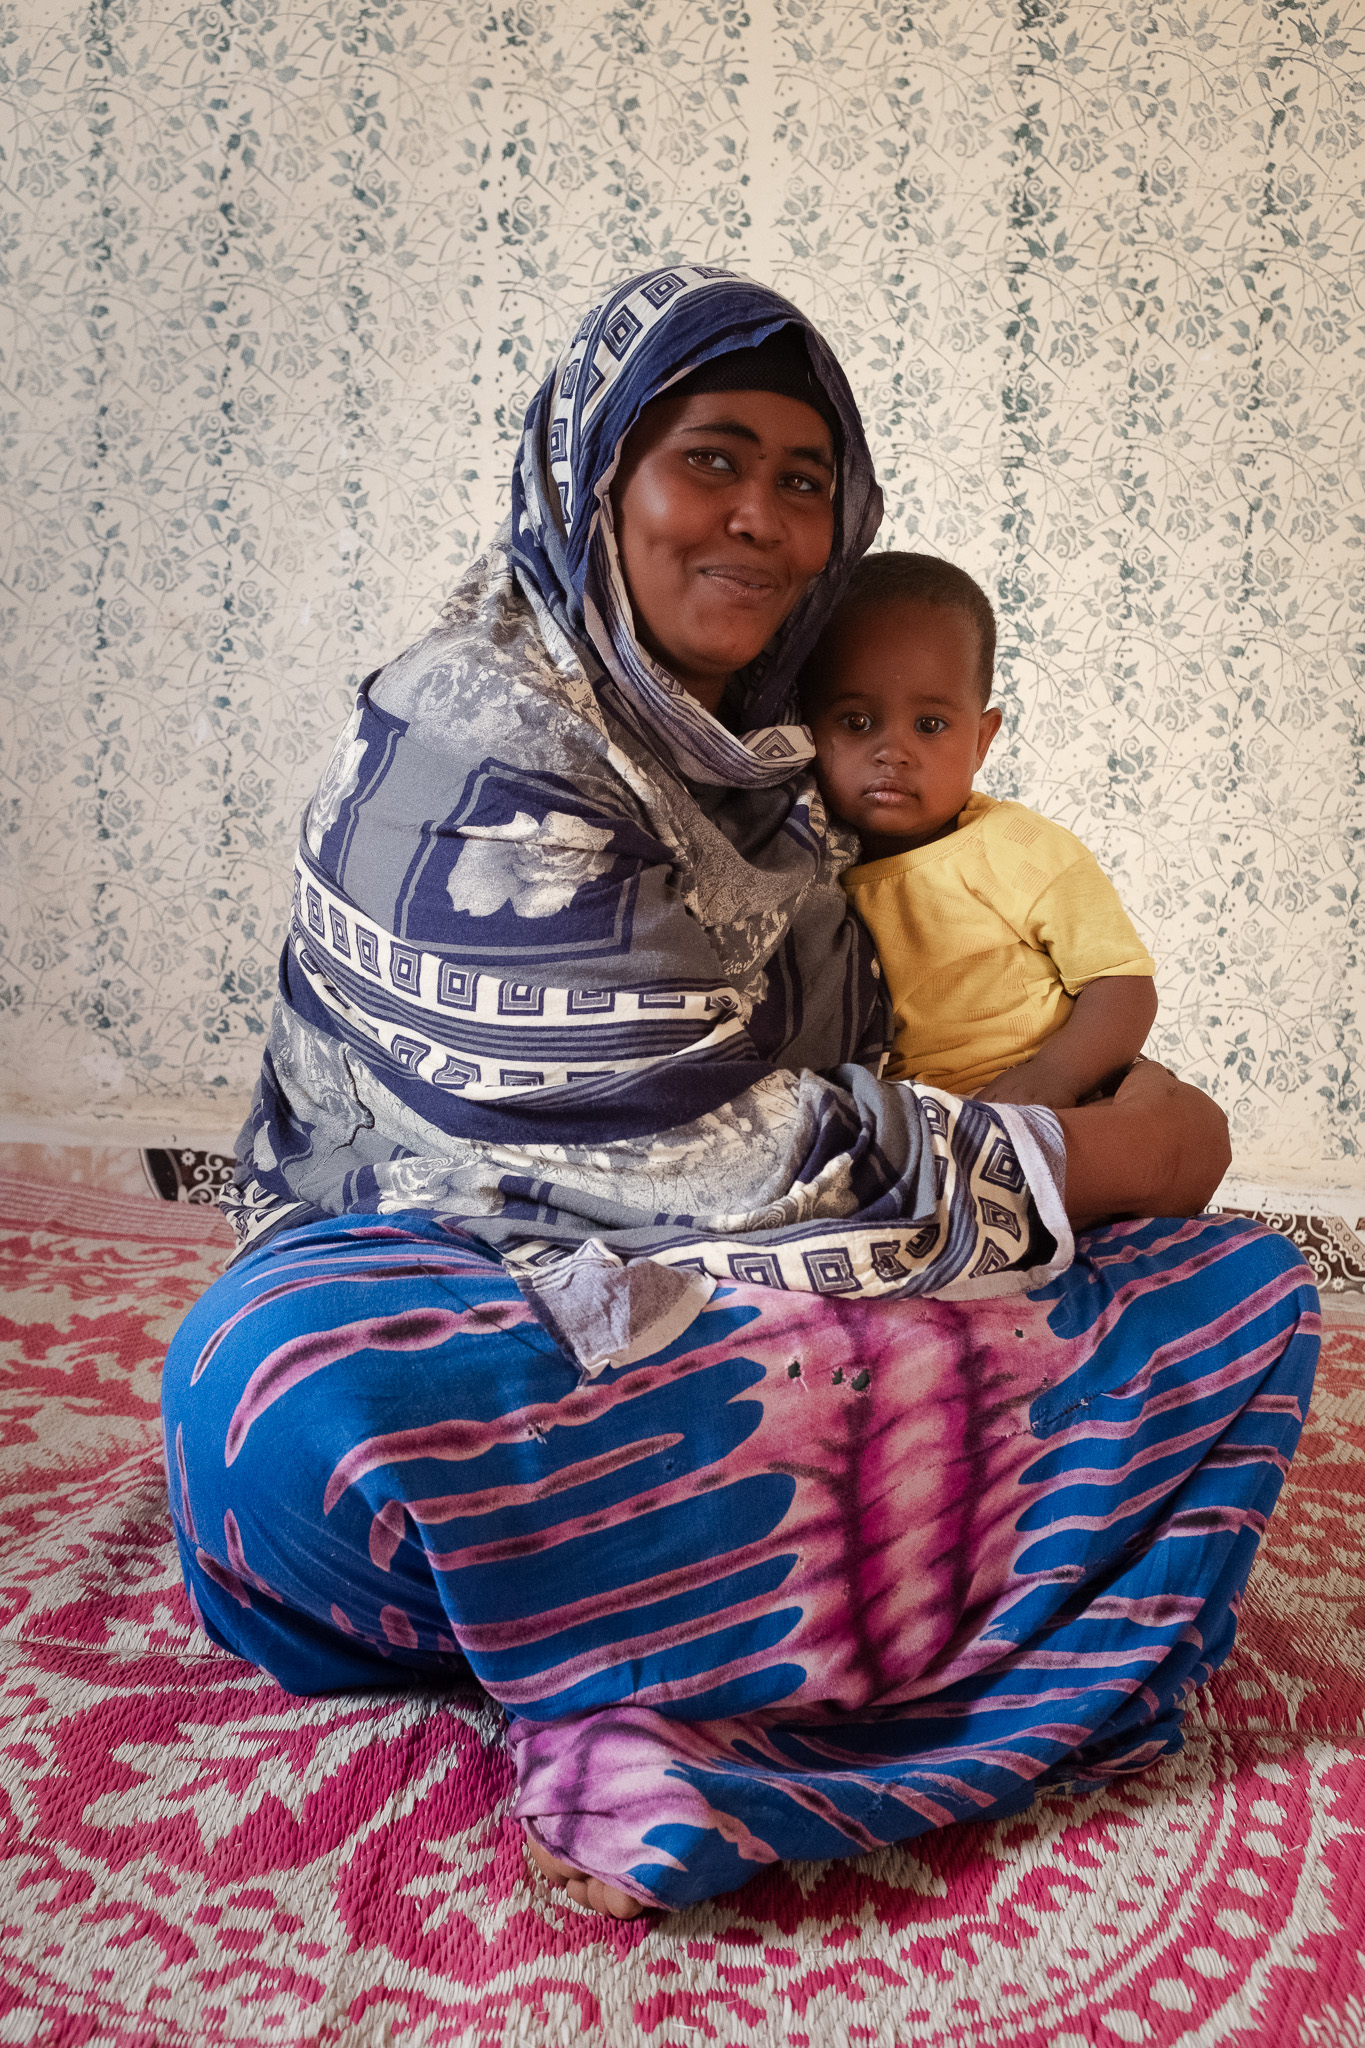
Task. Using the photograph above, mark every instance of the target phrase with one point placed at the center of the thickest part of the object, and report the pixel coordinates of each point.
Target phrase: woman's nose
(756, 512)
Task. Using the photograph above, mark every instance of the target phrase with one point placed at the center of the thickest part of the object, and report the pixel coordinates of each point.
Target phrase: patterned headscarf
(648, 334)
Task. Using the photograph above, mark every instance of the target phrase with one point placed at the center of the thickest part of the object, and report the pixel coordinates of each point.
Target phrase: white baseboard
(196, 1130)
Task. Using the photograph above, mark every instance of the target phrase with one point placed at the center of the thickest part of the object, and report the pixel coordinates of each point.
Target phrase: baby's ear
(986, 731)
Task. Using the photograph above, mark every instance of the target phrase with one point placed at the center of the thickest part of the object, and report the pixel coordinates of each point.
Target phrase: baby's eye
(931, 727)
(857, 721)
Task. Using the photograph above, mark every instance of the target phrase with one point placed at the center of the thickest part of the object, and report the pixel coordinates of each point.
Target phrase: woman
(583, 1333)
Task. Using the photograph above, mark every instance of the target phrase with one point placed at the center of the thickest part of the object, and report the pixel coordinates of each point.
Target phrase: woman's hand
(1159, 1148)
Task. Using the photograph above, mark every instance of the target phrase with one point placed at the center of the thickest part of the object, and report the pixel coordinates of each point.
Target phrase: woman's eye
(804, 486)
(931, 727)
(715, 460)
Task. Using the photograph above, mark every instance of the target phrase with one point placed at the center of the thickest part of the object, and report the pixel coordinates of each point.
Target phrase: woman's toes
(587, 1891)
(604, 1898)
(550, 1866)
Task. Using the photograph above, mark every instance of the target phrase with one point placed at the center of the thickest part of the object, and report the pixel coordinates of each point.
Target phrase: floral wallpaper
(281, 281)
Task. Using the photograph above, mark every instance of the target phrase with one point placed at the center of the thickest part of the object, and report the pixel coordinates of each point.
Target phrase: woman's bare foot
(582, 1889)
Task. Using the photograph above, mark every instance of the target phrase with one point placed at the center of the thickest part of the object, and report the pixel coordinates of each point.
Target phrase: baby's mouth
(889, 793)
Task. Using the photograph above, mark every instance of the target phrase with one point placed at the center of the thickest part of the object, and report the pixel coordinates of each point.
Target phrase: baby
(1014, 974)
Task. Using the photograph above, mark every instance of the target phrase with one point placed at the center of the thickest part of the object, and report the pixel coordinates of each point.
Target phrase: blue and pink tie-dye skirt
(817, 1577)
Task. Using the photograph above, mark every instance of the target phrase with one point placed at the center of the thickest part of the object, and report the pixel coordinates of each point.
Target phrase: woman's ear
(986, 731)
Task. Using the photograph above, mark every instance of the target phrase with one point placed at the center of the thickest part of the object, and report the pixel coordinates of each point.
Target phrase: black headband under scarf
(780, 364)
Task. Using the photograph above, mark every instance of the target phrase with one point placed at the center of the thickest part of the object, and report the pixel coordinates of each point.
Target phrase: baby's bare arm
(1094, 1048)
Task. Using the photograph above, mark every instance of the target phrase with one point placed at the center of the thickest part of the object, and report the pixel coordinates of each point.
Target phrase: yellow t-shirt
(986, 937)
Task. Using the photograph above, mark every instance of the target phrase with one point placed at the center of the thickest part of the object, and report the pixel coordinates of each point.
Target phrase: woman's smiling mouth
(741, 582)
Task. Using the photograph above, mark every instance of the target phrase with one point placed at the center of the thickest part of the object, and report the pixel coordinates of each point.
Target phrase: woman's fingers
(1148, 1080)
(592, 1892)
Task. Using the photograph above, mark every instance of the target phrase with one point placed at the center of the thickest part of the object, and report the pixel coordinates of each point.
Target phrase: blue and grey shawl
(570, 966)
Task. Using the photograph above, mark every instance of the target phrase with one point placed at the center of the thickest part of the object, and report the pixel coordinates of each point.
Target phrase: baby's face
(898, 723)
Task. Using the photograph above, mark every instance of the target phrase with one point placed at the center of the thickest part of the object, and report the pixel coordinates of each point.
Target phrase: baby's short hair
(894, 575)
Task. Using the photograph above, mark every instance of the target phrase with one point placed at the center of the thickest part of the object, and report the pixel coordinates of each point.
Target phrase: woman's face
(724, 512)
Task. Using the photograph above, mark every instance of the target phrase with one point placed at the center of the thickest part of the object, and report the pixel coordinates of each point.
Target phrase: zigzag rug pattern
(189, 1856)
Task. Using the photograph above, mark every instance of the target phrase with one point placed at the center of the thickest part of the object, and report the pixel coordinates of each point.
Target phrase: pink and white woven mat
(188, 1855)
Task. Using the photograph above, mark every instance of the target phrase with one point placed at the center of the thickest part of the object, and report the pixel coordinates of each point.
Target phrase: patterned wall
(284, 280)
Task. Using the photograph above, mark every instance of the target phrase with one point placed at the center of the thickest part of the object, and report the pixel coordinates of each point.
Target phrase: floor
(190, 1856)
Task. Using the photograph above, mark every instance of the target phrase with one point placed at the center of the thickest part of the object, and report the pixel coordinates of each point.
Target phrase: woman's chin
(725, 637)
(705, 670)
